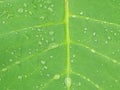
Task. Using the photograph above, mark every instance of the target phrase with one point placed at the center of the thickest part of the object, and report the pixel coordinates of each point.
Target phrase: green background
(59, 44)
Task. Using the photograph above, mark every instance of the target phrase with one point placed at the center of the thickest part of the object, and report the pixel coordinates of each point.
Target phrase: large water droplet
(68, 82)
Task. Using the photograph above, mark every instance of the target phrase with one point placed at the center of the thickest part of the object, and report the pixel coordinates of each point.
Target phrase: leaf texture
(59, 44)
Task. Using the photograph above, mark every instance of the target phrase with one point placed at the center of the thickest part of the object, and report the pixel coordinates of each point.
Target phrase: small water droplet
(4, 69)
(79, 84)
(94, 33)
(51, 33)
(115, 34)
(106, 42)
(41, 5)
(81, 13)
(25, 76)
(43, 62)
(36, 35)
(12, 53)
(95, 40)
(3, 22)
(53, 45)
(85, 28)
(20, 77)
(20, 10)
(45, 67)
(25, 5)
(92, 50)
(109, 37)
(48, 75)
(50, 9)
(74, 55)
(39, 29)
(51, 56)
(42, 17)
(17, 62)
(52, 39)
(10, 60)
(116, 81)
(29, 52)
(72, 60)
(30, 12)
(42, 38)
(56, 77)
(40, 43)
(37, 86)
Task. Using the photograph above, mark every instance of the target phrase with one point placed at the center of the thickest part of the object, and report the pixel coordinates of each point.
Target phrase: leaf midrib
(68, 68)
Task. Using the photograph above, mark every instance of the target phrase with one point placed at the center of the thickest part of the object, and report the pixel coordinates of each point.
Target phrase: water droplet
(68, 82)
(12, 53)
(51, 33)
(53, 45)
(20, 10)
(37, 86)
(17, 62)
(94, 33)
(106, 42)
(74, 55)
(45, 67)
(111, 85)
(25, 76)
(48, 75)
(30, 12)
(56, 77)
(85, 28)
(46, 41)
(79, 84)
(29, 52)
(36, 35)
(95, 40)
(92, 50)
(10, 60)
(4, 69)
(74, 16)
(42, 17)
(41, 5)
(25, 5)
(52, 39)
(50, 9)
(51, 56)
(115, 34)
(19, 77)
(81, 13)
(72, 60)
(43, 62)
(42, 38)
(40, 43)
(109, 37)
(39, 29)
(3, 22)
(116, 81)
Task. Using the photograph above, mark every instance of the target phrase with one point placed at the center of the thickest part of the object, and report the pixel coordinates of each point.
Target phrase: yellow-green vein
(67, 79)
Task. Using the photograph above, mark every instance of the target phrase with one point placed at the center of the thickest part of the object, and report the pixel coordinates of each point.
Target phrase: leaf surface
(59, 45)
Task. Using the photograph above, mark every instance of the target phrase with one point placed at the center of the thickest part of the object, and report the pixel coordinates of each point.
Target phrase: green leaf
(59, 44)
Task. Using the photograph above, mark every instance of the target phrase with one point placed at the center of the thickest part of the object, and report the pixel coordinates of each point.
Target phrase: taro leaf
(59, 44)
